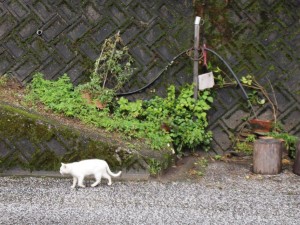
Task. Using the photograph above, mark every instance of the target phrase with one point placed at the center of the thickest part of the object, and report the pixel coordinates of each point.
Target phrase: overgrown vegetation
(257, 93)
(259, 96)
(177, 120)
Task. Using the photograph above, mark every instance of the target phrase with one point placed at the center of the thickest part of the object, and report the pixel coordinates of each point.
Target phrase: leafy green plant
(155, 167)
(250, 82)
(251, 138)
(217, 157)
(290, 142)
(258, 94)
(55, 95)
(3, 80)
(61, 97)
(245, 145)
(180, 116)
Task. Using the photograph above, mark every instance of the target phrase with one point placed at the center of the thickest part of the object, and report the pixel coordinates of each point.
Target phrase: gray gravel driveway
(225, 195)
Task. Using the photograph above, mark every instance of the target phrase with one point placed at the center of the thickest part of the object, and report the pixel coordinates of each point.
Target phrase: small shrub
(182, 118)
(3, 80)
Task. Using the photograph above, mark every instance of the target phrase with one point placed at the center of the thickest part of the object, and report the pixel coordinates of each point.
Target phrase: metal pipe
(196, 55)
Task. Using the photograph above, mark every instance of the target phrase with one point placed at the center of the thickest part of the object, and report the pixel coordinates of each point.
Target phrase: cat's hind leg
(106, 175)
(80, 182)
(98, 180)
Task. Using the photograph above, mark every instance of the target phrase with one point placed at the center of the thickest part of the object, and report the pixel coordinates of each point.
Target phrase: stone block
(51, 68)
(165, 50)
(234, 118)
(167, 14)
(67, 12)
(44, 11)
(54, 28)
(18, 9)
(92, 13)
(118, 15)
(5, 62)
(29, 28)
(24, 70)
(103, 31)
(142, 13)
(5, 149)
(90, 50)
(24, 147)
(56, 146)
(141, 53)
(126, 2)
(221, 137)
(2, 10)
(75, 72)
(78, 30)
(154, 33)
(64, 51)
(40, 49)
(290, 118)
(14, 48)
(6, 26)
(130, 33)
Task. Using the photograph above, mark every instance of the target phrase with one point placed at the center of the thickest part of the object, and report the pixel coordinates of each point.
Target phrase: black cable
(158, 76)
(234, 75)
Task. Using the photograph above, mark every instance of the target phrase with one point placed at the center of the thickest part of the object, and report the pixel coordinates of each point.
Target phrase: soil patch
(199, 166)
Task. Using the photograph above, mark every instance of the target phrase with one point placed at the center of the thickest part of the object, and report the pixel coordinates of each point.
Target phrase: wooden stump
(267, 156)
(296, 166)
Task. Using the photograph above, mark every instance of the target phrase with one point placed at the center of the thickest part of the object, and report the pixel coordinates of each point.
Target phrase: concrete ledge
(132, 175)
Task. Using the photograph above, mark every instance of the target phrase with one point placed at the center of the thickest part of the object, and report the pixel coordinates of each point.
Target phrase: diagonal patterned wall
(261, 38)
(257, 37)
(72, 33)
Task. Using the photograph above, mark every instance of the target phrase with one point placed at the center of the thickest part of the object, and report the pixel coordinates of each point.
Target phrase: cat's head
(64, 169)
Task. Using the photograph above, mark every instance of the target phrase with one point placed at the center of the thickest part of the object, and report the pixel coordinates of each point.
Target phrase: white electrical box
(205, 81)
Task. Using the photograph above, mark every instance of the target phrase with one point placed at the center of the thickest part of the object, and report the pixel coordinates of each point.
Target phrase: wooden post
(267, 156)
(196, 55)
(296, 166)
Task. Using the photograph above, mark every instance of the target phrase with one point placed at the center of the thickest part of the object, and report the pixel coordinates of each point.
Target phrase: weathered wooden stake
(196, 55)
(267, 156)
(296, 166)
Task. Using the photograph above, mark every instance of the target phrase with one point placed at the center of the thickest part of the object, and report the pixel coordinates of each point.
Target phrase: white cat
(78, 170)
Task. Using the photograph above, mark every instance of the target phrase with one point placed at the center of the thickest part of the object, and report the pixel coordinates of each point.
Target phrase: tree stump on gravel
(267, 156)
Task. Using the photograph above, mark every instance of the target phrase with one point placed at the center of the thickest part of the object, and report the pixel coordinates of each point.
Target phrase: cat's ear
(63, 164)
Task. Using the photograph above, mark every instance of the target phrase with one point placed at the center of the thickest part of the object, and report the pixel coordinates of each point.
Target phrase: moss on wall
(32, 142)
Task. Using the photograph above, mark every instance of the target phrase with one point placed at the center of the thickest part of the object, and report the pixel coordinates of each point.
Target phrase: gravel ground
(227, 194)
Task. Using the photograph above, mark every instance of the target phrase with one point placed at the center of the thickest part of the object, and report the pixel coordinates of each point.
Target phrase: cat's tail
(111, 173)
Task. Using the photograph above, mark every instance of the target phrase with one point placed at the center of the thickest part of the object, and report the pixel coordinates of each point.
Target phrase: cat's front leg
(74, 182)
(80, 182)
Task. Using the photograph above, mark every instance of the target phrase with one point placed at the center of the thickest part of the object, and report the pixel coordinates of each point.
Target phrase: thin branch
(117, 39)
